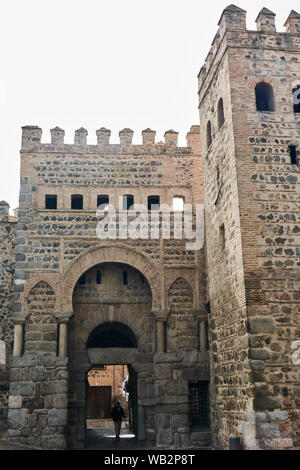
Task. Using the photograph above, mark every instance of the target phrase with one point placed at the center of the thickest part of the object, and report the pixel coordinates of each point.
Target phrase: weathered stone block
(57, 418)
(258, 325)
(17, 418)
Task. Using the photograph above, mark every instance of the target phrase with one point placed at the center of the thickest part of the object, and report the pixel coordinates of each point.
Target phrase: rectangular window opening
(153, 203)
(293, 154)
(51, 201)
(103, 201)
(76, 202)
(128, 202)
(199, 403)
(178, 203)
(222, 237)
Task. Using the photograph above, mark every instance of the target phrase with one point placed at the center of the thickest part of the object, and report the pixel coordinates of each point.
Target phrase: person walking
(117, 414)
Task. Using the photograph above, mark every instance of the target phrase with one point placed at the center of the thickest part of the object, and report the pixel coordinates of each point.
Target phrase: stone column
(161, 317)
(63, 319)
(18, 340)
(19, 321)
(203, 336)
(63, 331)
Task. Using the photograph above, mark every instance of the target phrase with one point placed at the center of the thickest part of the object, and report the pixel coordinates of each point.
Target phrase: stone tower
(250, 133)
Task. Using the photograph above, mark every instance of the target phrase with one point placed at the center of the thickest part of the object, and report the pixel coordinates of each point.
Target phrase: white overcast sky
(112, 63)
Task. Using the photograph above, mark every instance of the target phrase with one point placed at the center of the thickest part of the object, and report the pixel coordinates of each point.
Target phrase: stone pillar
(161, 317)
(4, 211)
(63, 332)
(103, 136)
(63, 319)
(57, 136)
(292, 24)
(265, 22)
(160, 331)
(126, 136)
(203, 336)
(19, 321)
(171, 138)
(80, 136)
(18, 340)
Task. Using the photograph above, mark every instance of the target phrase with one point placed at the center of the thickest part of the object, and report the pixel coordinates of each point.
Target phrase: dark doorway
(107, 385)
(98, 402)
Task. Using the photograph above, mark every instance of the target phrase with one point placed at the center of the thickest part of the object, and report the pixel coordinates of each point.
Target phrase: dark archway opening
(264, 95)
(112, 335)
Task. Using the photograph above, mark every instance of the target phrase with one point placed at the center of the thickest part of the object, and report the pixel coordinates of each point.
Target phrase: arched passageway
(112, 329)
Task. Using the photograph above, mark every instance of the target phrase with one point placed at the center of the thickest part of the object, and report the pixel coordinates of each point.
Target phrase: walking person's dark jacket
(117, 413)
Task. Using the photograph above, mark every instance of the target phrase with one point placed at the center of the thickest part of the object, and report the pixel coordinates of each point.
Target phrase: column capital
(200, 314)
(64, 317)
(161, 314)
(20, 318)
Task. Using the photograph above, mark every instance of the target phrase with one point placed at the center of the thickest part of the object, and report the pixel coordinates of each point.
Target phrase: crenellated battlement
(32, 135)
(233, 32)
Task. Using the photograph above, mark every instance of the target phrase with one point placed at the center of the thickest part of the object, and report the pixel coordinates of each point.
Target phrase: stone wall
(7, 268)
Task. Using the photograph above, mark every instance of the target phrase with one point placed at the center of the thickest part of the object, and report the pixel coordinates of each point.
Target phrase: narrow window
(198, 403)
(207, 339)
(222, 237)
(221, 118)
(82, 280)
(264, 97)
(98, 277)
(125, 278)
(76, 202)
(296, 99)
(128, 202)
(142, 279)
(208, 135)
(103, 201)
(293, 154)
(178, 203)
(153, 203)
(51, 201)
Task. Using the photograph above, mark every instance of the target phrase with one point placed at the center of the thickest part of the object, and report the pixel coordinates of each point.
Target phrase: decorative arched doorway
(112, 325)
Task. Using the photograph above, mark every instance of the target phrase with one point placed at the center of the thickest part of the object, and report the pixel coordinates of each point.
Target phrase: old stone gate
(225, 313)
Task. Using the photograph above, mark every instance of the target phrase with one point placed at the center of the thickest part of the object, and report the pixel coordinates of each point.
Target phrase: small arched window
(264, 97)
(296, 99)
(208, 135)
(221, 118)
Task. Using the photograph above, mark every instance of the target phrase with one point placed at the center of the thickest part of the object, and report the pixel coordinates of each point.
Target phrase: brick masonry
(252, 195)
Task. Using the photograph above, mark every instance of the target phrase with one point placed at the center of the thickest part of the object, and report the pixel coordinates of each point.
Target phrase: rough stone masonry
(207, 335)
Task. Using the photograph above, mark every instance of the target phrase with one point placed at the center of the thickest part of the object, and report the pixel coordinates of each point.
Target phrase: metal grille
(199, 403)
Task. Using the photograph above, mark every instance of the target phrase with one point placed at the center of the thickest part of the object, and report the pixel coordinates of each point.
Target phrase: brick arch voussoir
(113, 254)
